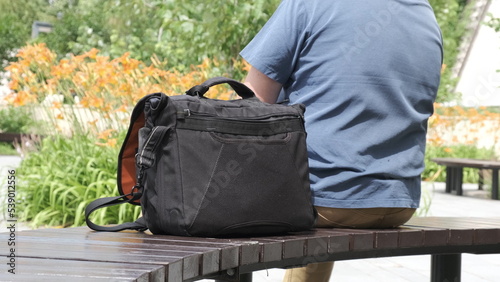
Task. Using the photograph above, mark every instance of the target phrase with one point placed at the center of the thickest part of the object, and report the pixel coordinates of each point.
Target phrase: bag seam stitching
(207, 187)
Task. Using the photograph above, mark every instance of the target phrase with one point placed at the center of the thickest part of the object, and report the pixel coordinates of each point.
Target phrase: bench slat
(33, 269)
(462, 231)
(486, 164)
(87, 247)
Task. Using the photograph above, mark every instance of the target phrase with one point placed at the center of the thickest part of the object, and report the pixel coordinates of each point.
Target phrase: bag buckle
(136, 192)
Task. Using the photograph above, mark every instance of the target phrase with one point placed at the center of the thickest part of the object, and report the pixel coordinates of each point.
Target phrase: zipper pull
(183, 114)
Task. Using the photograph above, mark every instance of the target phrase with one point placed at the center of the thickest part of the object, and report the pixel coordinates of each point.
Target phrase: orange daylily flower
(443, 68)
(109, 143)
(102, 87)
(92, 54)
(106, 134)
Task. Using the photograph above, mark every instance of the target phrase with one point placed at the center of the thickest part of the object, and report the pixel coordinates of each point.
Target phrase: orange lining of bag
(128, 169)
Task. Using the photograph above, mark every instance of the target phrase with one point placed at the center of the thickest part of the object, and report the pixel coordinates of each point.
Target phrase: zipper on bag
(187, 113)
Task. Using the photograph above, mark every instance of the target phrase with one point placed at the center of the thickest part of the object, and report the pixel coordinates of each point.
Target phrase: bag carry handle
(241, 89)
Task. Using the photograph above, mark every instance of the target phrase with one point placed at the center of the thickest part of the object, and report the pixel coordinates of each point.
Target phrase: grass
(7, 149)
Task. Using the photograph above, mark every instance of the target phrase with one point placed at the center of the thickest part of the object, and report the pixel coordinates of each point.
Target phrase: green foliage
(437, 173)
(452, 17)
(16, 120)
(197, 29)
(67, 34)
(57, 182)
(180, 32)
(16, 18)
(78, 28)
(12, 35)
(186, 32)
(7, 149)
(493, 22)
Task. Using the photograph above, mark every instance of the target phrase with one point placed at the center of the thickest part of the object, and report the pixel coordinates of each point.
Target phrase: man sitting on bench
(368, 74)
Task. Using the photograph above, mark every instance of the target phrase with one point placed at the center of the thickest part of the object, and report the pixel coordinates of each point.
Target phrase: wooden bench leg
(446, 268)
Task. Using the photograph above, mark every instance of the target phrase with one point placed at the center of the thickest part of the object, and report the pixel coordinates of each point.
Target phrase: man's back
(367, 72)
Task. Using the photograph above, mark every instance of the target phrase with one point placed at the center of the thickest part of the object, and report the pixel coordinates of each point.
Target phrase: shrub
(16, 18)
(434, 172)
(458, 125)
(452, 17)
(181, 33)
(461, 133)
(12, 36)
(7, 149)
(59, 180)
(16, 120)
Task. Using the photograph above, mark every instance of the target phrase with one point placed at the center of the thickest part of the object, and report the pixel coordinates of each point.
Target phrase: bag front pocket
(250, 182)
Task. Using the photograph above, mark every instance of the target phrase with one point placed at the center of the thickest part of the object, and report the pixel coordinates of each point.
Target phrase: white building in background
(4, 88)
(479, 81)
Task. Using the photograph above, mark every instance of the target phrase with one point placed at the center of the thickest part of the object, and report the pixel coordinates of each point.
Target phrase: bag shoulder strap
(139, 224)
(126, 177)
(130, 191)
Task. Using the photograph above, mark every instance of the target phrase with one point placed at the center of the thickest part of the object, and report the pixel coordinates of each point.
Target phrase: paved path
(475, 268)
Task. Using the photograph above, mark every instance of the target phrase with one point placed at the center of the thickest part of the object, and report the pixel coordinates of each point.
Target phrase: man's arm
(266, 89)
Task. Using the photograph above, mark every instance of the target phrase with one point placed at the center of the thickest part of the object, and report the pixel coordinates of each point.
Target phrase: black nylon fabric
(241, 128)
(223, 168)
(247, 181)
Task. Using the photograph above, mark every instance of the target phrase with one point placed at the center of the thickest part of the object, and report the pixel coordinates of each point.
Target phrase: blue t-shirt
(368, 73)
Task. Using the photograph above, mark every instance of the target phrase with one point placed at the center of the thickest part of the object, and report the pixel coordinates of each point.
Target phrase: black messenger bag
(206, 167)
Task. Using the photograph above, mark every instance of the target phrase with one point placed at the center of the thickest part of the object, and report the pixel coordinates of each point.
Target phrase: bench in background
(454, 173)
(79, 254)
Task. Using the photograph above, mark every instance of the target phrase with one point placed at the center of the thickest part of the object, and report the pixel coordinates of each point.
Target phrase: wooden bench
(454, 173)
(79, 254)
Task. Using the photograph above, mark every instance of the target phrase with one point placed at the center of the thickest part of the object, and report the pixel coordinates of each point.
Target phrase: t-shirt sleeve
(275, 49)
